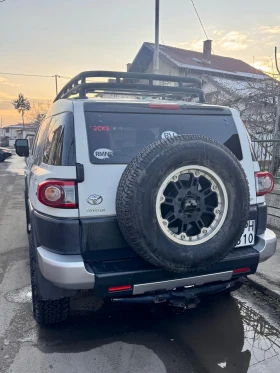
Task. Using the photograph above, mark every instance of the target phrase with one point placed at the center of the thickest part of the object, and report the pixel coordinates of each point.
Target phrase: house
(226, 81)
(9, 134)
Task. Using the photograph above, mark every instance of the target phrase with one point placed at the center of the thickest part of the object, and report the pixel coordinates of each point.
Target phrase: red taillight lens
(264, 183)
(164, 106)
(57, 193)
(241, 270)
(119, 288)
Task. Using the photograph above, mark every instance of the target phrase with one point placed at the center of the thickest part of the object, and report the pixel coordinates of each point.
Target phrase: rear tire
(45, 311)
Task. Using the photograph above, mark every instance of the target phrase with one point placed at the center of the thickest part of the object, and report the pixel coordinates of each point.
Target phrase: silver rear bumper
(69, 272)
(266, 244)
(65, 271)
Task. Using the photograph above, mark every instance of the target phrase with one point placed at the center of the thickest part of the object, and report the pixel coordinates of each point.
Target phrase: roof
(194, 60)
(241, 88)
(27, 128)
(19, 125)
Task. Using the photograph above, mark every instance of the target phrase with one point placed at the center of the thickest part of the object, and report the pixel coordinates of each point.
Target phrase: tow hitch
(174, 298)
(184, 297)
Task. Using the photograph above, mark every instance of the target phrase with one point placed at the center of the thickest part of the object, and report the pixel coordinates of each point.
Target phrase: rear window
(115, 138)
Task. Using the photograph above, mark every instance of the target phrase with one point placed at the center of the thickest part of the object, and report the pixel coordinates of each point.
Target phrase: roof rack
(129, 82)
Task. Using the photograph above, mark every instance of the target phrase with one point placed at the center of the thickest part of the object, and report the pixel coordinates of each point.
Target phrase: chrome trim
(65, 271)
(172, 284)
(266, 244)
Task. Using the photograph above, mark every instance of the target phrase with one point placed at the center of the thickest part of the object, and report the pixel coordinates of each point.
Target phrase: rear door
(53, 157)
(108, 136)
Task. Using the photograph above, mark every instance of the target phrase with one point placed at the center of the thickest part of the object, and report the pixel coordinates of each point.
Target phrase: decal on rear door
(168, 134)
(103, 153)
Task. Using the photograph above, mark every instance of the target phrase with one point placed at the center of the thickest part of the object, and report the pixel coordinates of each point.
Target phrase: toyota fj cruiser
(139, 194)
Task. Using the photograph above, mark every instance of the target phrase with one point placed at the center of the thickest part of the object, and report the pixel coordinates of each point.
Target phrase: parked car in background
(4, 154)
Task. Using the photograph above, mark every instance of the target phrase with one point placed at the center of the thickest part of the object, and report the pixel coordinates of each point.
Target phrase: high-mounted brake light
(164, 106)
(264, 183)
(57, 193)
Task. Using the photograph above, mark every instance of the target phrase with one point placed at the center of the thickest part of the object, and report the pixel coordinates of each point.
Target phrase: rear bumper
(266, 244)
(70, 271)
(65, 271)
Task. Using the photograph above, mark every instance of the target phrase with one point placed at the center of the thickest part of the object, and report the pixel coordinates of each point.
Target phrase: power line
(36, 75)
(199, 19)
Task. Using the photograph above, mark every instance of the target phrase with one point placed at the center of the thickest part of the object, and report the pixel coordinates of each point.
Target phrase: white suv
(141, 199)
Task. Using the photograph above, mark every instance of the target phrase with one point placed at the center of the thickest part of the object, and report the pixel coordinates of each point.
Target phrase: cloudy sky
(65, 37)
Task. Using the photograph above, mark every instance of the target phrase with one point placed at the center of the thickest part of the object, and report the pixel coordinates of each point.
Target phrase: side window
(38, 149)
(54, 143)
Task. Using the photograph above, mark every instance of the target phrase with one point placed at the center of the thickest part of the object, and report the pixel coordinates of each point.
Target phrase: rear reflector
(57, 193)
(164, 106)
(119, 288)
(241, 270)
(264, 183)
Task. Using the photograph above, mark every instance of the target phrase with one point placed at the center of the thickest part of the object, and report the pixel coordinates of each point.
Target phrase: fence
(267, 151)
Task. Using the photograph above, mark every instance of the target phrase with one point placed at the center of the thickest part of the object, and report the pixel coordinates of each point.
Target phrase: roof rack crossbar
(129, 82)
(83, 89)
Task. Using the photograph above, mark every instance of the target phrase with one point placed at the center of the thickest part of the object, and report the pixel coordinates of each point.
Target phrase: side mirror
(22, 148)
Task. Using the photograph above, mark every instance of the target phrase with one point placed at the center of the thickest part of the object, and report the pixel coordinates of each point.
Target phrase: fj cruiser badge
(94, 199)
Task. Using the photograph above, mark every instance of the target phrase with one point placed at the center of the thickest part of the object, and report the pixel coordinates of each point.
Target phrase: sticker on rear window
(101, 128)
(103, 153)
(168, 134)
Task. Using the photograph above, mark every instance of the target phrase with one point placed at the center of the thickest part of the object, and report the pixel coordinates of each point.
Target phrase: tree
(21, 105)
(37, 112)
(255, 99)
(39, 118)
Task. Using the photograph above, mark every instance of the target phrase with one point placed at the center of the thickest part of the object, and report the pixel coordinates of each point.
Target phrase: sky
(65, 37)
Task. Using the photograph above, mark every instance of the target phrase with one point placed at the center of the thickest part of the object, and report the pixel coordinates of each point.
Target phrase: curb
(263, 289)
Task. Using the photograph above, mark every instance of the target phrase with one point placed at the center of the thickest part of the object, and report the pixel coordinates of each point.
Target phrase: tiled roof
(191, 59)
(19, 125)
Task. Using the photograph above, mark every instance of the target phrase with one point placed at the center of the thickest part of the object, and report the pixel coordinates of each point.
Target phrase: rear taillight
(57, 193)
(264, 183)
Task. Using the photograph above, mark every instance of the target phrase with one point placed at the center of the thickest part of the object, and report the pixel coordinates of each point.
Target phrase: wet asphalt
(224, 334)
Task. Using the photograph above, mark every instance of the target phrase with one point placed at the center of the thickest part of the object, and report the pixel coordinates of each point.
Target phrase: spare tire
(183, 203)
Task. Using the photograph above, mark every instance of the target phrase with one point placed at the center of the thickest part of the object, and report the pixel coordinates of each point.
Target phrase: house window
(7, 130)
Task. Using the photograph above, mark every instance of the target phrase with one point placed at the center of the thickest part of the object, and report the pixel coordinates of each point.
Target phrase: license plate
(248, 235)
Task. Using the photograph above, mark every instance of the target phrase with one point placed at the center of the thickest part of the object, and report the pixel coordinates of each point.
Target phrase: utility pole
(275, 152)
(277, 120)
(156, 50)
(55, 77)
